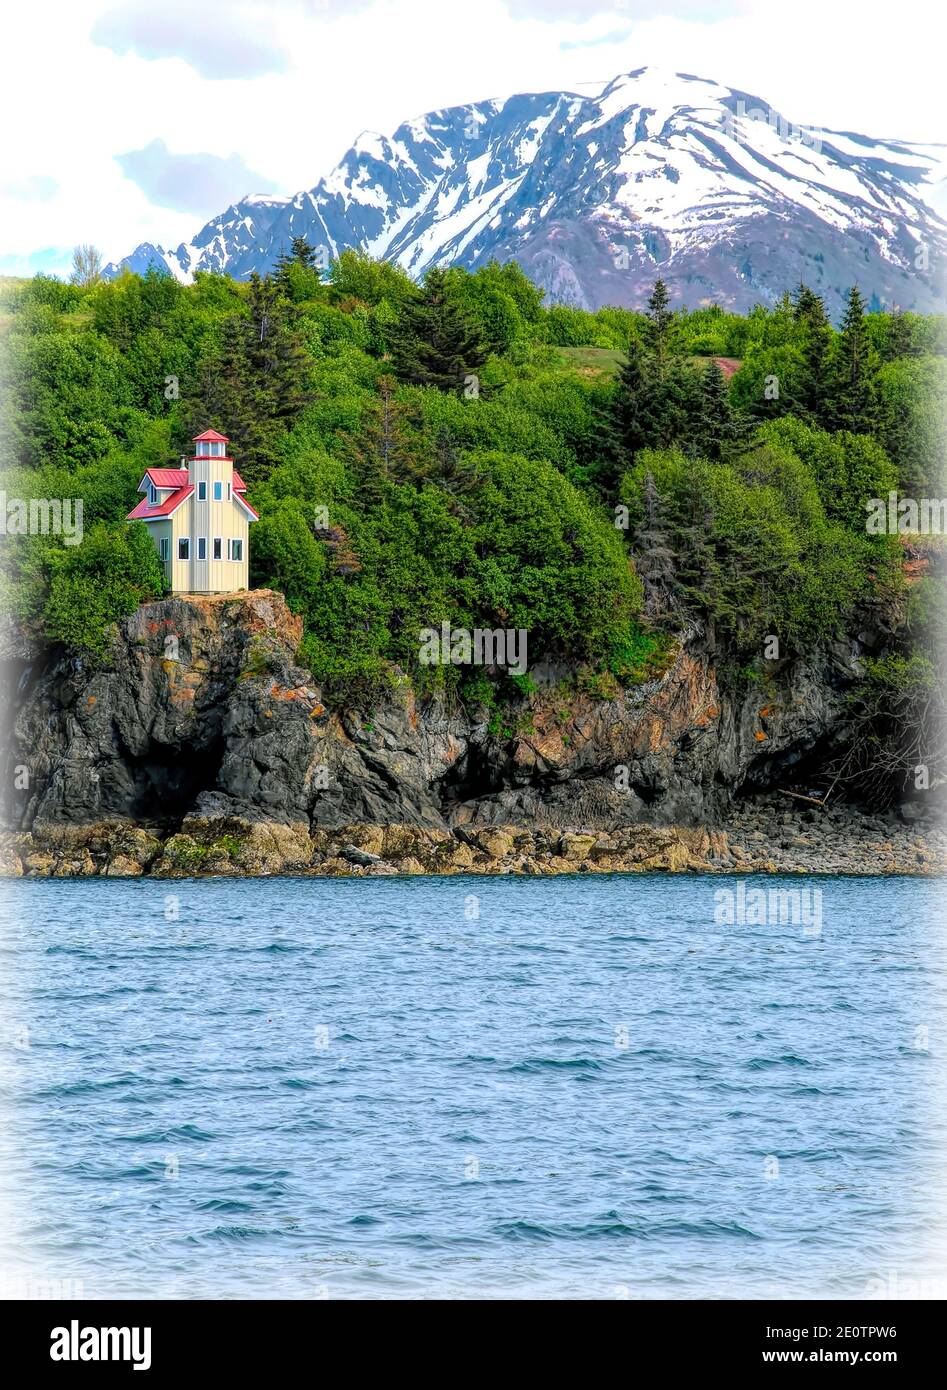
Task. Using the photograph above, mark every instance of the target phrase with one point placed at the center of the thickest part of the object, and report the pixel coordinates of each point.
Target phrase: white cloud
(37, 188)
(76, 105)
(201, 184)
(219, 39)
(552, 10)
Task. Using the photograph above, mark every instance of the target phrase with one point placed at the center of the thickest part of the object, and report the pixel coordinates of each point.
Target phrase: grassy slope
(608, 360)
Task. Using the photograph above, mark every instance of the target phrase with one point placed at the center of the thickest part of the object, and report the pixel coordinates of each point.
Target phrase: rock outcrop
(201, 745)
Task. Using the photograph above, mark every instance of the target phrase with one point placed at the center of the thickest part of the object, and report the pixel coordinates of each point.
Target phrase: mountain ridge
(595, 196)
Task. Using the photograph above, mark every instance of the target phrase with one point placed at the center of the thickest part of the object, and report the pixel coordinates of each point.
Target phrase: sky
(137, 120)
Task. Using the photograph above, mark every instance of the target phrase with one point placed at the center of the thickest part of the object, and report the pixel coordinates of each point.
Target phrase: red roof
(146, 512)
(178, 481)
(244, 503)
(179, 477)
(212, 434)
(166, 477)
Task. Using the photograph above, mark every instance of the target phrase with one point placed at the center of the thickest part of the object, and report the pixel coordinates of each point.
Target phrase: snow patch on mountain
(660, 173)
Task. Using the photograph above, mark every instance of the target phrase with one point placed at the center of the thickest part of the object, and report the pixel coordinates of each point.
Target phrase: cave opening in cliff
(470, 778)
(168, 780)
(807, 773)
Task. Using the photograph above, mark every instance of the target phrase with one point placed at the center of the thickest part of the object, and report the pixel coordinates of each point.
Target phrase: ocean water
(463, 1087)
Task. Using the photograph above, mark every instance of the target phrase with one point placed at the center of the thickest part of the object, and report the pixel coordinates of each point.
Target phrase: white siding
(224, 518)
(213, 518)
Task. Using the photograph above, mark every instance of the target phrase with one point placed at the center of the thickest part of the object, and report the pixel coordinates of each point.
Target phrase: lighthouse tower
(199, 519)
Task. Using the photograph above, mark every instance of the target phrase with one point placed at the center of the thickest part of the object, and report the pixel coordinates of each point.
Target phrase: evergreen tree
(654, 558)
(899, 338)
(717, 427)
(853, 404)
(656, 403)
(458, 478)
(300, 256)
(813, 386)
(436, 343)
(254, 387)
(807, 305)
(698, 569)
(630, 426)
(659, 330)
(380, 453)
(302, 253)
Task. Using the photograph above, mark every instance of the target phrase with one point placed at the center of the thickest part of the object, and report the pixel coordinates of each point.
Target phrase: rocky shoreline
(781, 835)
(200, 747)
(765, 837)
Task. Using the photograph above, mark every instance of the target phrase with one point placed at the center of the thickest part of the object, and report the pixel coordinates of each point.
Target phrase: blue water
(469, 1087)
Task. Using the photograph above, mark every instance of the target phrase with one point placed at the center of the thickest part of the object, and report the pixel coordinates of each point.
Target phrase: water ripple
(309, 1088)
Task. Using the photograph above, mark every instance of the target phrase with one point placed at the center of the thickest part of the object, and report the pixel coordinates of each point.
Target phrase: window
(202, 547)
(184, 548)
(153, 494)
(217, 450)
(228, 492)
(235, 548)
(218, 547)
(218, 492)
(164, 548)
(202, 492)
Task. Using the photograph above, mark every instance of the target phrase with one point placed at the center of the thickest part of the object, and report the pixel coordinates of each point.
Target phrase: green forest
(460, 450)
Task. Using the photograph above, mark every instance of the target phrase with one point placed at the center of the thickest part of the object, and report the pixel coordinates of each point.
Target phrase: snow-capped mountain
(660, 174)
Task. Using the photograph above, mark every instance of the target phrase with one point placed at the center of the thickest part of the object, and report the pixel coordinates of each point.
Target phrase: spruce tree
(436, 343)
(458, 478)
(660, 325)
(899, 340)
(302, 253)
(651, 408)
(253, 388)
(300, 256)
(698, 571)
(814, 374)
(717, 427)
(656, 399)
(807, 305)
(853, 405)
(654, 558)
(630, 426)
(380, 453)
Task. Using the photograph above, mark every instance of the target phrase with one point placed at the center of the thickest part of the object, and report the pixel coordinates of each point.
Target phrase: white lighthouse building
(200, 519)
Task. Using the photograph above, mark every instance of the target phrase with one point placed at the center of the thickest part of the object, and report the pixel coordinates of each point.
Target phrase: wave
(612, 1225)
(541, 1064)
(788, 1059)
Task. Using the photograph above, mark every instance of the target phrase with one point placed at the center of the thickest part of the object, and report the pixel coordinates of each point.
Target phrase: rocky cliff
(201, 746)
